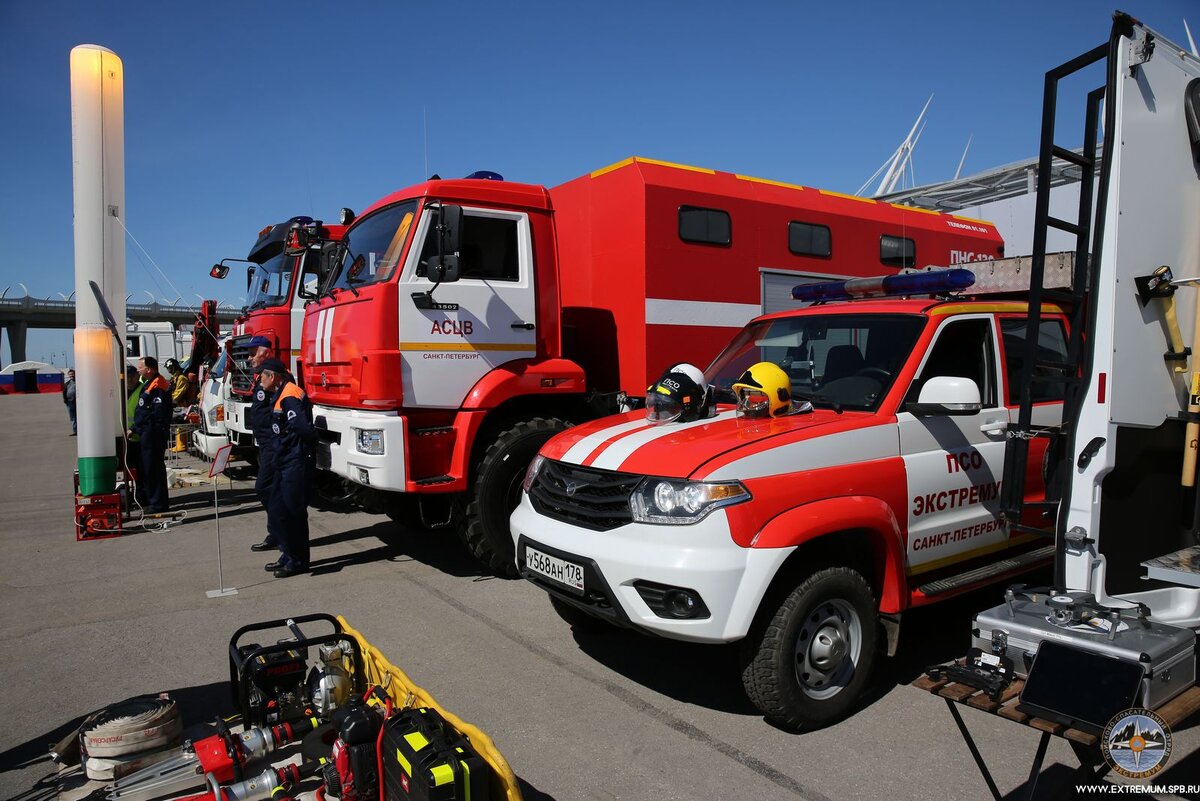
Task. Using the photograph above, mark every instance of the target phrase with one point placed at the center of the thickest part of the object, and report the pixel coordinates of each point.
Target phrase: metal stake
(223, 591)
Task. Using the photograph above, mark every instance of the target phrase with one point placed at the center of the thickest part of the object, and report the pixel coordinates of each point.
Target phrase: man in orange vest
(294, 441)
(152, 426)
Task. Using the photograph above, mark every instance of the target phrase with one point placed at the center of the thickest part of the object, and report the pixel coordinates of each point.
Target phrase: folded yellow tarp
(404, 693)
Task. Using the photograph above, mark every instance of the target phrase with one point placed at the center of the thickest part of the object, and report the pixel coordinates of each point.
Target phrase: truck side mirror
(446, 272)
(443, 268)
(219, 271)
(947, 395)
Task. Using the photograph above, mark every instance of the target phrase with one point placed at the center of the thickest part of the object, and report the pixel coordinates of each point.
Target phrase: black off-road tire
(482, 513)
(781, 653)
(578, 619)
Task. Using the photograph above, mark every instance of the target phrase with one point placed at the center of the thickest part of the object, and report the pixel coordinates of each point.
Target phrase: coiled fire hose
(142, 723)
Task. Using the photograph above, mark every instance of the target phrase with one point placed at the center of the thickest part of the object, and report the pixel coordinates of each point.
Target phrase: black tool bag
(424, 759)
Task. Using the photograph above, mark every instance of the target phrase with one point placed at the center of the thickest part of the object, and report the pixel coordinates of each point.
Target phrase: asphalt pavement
(578, 715)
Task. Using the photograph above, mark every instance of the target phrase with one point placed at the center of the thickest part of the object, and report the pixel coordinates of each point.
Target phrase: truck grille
(595, 499)
(241, 374)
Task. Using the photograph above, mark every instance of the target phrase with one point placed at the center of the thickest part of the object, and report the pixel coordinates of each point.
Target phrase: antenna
(1191, 41)
(958, 172)
(425, 118)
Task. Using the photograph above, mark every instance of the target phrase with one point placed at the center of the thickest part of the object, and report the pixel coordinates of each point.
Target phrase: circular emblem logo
(571, 488)
(1136, 743)
(261, 395)
(275, 427)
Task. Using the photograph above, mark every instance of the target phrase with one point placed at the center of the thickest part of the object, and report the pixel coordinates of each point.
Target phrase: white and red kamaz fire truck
(798, 534)
(472, 319)
(286, 267)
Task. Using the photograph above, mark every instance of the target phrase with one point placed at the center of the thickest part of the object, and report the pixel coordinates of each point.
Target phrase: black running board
(1027, 559)
(424, 482)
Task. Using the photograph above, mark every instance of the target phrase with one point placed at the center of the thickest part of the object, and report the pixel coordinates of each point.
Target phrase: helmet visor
(662, 408)
(753, 403)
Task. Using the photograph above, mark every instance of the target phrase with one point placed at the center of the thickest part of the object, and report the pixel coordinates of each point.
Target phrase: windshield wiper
(818, 398)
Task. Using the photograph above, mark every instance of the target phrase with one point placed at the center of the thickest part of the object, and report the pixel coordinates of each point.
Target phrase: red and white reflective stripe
(859, 445)
(613, 455)
(324, 334)
(580, 451)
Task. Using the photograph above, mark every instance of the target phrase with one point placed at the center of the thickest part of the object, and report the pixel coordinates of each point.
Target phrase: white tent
(21, 367)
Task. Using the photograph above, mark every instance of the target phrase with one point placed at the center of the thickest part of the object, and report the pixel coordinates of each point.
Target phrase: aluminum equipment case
(1167, 653)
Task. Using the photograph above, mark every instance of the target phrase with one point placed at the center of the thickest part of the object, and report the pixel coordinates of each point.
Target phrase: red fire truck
(472, 319)
(286, 267)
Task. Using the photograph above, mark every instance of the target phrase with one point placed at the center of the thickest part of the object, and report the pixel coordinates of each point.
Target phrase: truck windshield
(272, 282)
(837, 360)
(376, 244)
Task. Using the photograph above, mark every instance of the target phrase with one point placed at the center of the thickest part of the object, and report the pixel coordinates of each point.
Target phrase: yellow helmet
(764, 390)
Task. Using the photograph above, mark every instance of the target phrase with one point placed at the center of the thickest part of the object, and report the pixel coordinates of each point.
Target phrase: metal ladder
(1034, 370)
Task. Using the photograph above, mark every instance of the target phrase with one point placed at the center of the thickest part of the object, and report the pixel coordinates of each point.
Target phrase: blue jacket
(152, 418)
(292, 425)
(261, 404)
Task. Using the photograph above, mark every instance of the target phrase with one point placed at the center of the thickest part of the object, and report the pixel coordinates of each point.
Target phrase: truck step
(424, 482)
(987, 571)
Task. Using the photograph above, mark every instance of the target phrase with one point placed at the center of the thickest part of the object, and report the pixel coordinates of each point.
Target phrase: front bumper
(701, 557)
(337, 449)
(208, 444)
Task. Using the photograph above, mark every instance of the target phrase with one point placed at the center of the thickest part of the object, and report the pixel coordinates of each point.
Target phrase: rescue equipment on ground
(680, 394)
(426, 760)
(219, 758)
(764, 390)
(274, 683)
(352, 773)
(272, 783)
(121, 737)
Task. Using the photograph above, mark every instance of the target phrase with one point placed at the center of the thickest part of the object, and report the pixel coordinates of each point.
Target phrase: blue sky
(240, 114)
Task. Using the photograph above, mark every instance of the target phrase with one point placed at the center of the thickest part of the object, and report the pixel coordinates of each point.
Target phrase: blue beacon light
(924, 283)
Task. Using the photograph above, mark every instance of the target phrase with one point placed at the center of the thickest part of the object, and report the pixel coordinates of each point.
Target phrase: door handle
(994, 427)
(526, 326)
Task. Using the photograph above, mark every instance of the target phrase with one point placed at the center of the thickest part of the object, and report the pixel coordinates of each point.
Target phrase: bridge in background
(17, 315)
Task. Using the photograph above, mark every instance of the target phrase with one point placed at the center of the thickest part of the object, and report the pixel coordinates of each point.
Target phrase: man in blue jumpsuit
(152, 426)
(261, 404)
(294, 442)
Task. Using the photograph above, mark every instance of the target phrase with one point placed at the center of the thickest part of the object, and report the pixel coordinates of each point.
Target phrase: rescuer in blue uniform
(261, 404)
(295, 438)
(152, 426)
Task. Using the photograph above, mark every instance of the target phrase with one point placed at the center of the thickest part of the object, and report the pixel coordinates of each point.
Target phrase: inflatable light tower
(98, 169)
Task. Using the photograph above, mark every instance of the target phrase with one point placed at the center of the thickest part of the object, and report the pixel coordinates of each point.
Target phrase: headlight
(532, 472)
(370, 440)
(661, 500)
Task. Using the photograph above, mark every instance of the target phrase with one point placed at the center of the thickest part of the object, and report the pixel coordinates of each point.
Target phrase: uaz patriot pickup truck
(804, 536)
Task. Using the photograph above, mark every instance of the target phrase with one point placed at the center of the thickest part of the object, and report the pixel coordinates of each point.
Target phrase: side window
(809, 239)
(487, 249)
(133, 346)
(1051, 347)
(963, 348)
(897, 251)
(705, 226)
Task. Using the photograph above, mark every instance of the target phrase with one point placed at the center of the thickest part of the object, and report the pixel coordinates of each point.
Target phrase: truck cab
(286, 265)
(798, 535)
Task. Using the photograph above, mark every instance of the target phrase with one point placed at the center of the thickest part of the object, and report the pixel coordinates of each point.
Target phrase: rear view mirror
(219, 271)
(249, 277)
(446, 272)
(947, 395)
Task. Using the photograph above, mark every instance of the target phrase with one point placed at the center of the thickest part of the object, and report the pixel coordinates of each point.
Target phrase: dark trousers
(152, 473)
(71, 414)
(289, 511)
(133, 462)
(265, 484)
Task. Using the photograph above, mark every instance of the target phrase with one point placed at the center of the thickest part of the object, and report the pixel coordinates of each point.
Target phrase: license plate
(558, 570)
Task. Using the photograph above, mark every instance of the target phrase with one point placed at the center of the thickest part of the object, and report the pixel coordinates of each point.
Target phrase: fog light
(681, 603)
(370, 441)
(364, 477)
(678, 603)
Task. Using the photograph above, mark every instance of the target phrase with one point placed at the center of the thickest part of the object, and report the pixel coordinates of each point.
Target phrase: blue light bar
(486, 175)
(926, 283)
